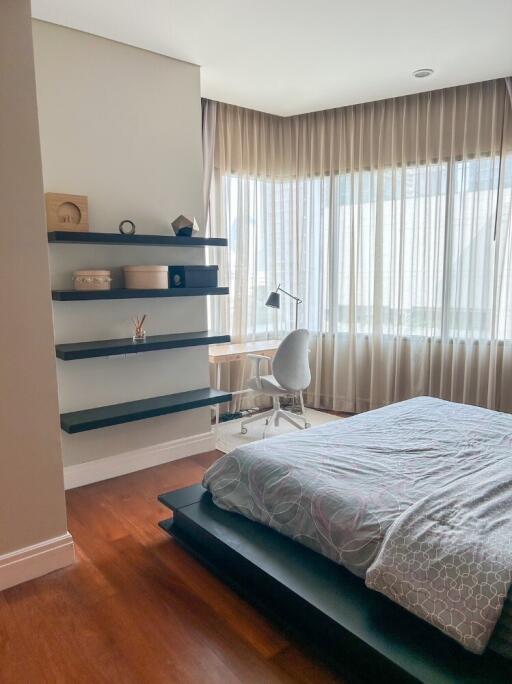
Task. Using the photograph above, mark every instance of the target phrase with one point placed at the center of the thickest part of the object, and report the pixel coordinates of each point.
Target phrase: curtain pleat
(392, 221)
(209, 126)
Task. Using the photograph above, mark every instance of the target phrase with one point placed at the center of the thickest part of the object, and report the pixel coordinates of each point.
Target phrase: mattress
(339, 487)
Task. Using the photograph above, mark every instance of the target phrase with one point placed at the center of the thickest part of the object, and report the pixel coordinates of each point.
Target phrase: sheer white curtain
(392, 221)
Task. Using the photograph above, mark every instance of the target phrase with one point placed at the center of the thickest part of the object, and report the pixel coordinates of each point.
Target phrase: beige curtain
(392, 221)
(209, 126)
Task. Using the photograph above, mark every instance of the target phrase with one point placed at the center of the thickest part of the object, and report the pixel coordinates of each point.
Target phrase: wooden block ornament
(66, 212)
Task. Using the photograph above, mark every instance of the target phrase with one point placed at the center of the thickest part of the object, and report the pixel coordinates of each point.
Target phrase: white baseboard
(131, 461)
(36, 560)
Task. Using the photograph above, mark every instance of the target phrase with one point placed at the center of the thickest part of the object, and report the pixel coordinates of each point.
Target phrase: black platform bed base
(319, 600)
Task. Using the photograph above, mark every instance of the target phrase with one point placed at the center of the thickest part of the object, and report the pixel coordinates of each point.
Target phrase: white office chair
(290, 375)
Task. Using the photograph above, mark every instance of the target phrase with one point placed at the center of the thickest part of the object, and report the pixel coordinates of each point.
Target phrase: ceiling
(293, 56)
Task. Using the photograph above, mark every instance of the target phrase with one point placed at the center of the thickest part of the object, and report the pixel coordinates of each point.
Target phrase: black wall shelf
(116, 414)
(122, 293)
(88, 350)
(127, 412)
(86, 238)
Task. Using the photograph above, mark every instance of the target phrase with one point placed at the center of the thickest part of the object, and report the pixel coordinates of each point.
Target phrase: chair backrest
(291, 363)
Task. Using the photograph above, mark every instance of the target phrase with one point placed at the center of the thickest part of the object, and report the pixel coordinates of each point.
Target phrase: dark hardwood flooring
(135, 607)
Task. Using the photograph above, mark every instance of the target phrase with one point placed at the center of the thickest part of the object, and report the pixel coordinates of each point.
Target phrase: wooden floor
(135, 607)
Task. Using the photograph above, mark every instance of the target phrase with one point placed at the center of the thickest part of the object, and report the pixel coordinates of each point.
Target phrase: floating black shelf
(86, 238)
(122, 293)
(103, 416)
(88, 350)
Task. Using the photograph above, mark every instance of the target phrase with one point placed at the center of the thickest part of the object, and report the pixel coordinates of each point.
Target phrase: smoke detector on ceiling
(423, 73)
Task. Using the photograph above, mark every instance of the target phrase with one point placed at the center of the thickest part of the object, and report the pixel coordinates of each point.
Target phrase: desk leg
(242, 383)
(217, 406)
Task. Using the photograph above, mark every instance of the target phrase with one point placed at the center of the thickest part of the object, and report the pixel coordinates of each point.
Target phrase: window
(406, 251)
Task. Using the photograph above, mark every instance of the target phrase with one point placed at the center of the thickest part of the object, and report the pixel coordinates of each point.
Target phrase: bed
(413, 498)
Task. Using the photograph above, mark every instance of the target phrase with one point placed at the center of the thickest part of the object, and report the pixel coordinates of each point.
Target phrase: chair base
(274, 415)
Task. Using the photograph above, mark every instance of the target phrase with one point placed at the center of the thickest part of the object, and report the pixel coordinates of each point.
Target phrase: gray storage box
(193, 276)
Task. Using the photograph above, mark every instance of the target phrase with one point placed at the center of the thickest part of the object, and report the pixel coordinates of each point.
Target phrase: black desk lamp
(274, 301)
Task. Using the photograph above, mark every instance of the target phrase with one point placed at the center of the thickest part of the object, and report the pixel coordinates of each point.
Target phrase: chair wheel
(307, 425)
(243, 430)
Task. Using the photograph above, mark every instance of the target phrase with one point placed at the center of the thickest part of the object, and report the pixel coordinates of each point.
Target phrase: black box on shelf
(193, 276)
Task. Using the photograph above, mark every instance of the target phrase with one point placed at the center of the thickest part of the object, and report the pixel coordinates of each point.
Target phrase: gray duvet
(414, 497)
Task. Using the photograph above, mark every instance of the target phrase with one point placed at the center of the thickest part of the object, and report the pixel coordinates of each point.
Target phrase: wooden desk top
(222, 353)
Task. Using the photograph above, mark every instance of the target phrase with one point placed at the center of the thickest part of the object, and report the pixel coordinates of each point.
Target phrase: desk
(226, 353)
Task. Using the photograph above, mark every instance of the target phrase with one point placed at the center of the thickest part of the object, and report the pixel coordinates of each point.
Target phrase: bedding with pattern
(414, 497)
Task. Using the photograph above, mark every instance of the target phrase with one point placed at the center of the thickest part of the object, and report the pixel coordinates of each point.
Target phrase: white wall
(122, 126)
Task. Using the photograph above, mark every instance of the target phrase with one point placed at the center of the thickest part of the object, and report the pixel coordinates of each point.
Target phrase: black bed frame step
(123, 293)
(87, 350)
(320, 600)
(92, 238)
(116, 414)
